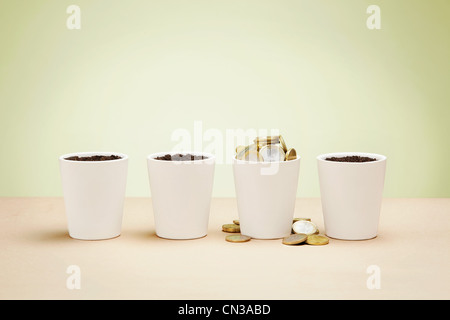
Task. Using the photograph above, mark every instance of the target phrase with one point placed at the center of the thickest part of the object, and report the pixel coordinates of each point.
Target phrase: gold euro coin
(283, 144)
(253, 155)
(262, 141)
(233, 228)
(240, 155)
(291, 154)
(242, 150)
(305, 227)
(272, 153)
(239, 149)
(237, 238)
(295, 239)
(236, 222)
(317, 240)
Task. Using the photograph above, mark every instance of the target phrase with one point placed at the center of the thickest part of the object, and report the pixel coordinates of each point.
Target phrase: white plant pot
(265, 195)
(181, 195)
(351, 195)
(94, 193)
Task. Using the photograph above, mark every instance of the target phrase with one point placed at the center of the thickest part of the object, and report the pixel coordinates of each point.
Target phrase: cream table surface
(410, 254)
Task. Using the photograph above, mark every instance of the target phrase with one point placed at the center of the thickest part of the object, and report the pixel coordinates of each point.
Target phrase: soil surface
(351, 159)
(94, 158)
(180, 157)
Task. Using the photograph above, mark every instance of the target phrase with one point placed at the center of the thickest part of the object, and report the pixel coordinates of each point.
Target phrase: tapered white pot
(94, 193)
(181, 195)
(266, 194)
(351, 195)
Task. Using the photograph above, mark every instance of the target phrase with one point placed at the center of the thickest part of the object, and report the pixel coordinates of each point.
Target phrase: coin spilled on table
(317, 240)
(231, 227)
(237, 238)
(306, 230)
(304, 227)
(295, 238)
(303, 231)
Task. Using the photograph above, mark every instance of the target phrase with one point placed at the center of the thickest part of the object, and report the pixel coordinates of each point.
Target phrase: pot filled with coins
(351, 187)
(181, 187)
(266, 178)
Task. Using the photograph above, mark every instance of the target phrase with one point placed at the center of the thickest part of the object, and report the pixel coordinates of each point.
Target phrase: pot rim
(93, 153)
(210, 156)
(378, 157)
(238, 161)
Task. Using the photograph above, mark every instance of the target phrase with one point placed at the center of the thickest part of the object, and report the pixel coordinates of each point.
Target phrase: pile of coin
(303, 231)
(266, 149)
(234, 228)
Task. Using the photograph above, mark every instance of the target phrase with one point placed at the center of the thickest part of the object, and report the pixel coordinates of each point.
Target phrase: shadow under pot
(181, 188)
(351, 188)
(94, 185)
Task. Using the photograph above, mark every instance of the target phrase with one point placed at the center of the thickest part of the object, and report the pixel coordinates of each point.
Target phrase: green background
(139, 70)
